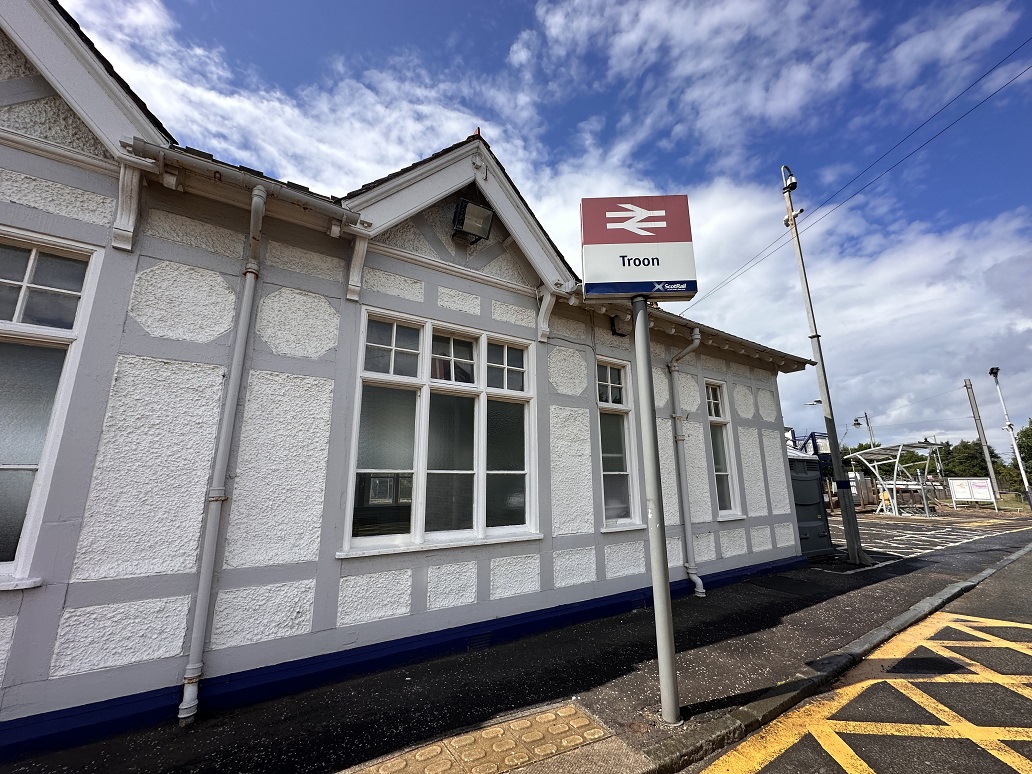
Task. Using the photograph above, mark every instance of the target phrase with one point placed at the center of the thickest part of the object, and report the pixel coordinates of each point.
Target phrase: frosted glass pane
(377, 359)
(505, 442)
(56, 272)
(449, 501)
(719, 449)
(387, 429)
(612, 426)
(617, 497)
(407, 338)
(8, 301)
(723, 492)
(451, 432)
(506, 500)
(56, 310)
(28, 383)
(13, 262)
(15, 488)
(379, 333)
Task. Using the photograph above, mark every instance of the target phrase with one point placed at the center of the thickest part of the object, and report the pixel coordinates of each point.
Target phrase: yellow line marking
(814, 717)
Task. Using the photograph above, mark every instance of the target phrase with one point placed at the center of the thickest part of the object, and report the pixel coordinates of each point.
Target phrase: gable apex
(391, 200)
(73, 67)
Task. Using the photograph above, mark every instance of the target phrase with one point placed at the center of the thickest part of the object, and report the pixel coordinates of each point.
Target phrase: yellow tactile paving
(815, 718)
(498, 748)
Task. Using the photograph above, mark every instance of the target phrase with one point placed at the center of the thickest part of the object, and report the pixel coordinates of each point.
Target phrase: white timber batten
(455, 271)
(55, 152)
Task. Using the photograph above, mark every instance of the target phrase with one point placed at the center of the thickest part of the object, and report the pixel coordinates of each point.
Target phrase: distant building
(426, 440)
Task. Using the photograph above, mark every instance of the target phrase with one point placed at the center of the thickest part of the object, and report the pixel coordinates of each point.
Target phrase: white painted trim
(356, 264)
(627, 409)
(629, 527)
(516, 538)
(13, 584)
(127, 213)
(54, 152)
(18, 570)
(734, 473)
(456, 271)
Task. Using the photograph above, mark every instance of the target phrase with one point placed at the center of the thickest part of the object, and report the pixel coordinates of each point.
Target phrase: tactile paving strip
(499, 748)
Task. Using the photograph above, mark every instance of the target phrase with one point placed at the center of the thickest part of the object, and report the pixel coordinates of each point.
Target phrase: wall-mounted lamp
(472, 221)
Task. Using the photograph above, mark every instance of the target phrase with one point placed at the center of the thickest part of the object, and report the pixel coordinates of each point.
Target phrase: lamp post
(849, 523)
(870, 430)
(1009, 427)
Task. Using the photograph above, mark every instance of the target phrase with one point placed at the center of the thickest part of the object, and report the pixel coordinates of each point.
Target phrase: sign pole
(671, 703)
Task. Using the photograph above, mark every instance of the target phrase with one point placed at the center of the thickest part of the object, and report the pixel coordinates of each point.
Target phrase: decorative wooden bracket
(358, 254)
(546, 299)
(127, 214)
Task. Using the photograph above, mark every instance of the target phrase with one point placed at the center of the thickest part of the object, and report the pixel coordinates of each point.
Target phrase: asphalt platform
(588, 693)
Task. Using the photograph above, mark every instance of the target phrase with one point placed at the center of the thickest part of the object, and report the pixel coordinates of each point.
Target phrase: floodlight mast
(1009, 427)
(856, 553)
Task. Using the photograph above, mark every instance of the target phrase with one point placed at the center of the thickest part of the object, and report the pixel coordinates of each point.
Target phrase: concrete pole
(857, 555)
(671, 702)
(981, 437)
(1009, 427)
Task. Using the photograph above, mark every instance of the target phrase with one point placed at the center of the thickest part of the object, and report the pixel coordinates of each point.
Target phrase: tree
(965, 460)
(1024, 436)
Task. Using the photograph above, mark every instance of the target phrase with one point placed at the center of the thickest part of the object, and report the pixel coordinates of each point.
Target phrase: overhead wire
(763, 254)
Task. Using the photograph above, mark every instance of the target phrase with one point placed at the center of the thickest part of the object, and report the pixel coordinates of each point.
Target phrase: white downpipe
(682, 475)
(223, 442)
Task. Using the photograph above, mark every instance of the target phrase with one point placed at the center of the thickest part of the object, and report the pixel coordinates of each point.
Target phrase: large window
(613, 419)
(39, 302)
(442, 435)
(719, 429)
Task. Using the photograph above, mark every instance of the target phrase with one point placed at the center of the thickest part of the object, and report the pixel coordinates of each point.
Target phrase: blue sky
(919, 281)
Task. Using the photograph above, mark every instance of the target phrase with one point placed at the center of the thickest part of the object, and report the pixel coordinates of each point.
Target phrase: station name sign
(638, 245)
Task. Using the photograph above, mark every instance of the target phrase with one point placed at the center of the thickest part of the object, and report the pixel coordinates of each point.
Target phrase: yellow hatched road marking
(814, 718)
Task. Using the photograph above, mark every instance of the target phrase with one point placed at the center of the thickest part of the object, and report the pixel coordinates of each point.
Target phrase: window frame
(625, 409)
(724, 422)
(424, 385)
(16, 574)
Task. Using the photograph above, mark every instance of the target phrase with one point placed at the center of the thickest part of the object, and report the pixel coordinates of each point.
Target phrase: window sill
(472, 543)
(623, 527)
(730, 516)
(8, 583)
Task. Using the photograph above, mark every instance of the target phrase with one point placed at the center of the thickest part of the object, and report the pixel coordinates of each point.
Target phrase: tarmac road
(952, 695)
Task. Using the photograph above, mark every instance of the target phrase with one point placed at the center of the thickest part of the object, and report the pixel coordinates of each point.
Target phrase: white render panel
(668, 471)
(187, 231)
(7, 624)
(275, 514)
(147, 498)
(774, 451)
(508, 268)
(752, 471)
(739, 369)
(517, 315)
(659, 352)
(512, 575)
(13, 63)
(688, 387)
(53, 120)
(451, 585)
(625, 559)
(697, 462)
(605, 338)
(405, 236)
(392, 284)
(297, 324)
(458, 301)
(660, 387)
(705, 547)
(567, 371)
(711, 363)
(763, 375)
(744, 405)
(56, 198)
(573, 503)
(784, 535)
(573, 566)
(732, 542)
(760, 537)
(565, 328)
(768, 405)
(174, 301)
(302, 261)
(374, 597)
(260, 613)
(674, 554)
(104, 636)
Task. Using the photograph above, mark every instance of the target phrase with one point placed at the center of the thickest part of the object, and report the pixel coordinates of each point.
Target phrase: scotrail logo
(668, 286)
(637, 219)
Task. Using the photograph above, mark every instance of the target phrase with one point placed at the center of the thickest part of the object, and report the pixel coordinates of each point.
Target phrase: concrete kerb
(692, 746)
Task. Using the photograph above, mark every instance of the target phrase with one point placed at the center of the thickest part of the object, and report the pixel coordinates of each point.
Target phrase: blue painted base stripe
(650, 287)
(78, 725)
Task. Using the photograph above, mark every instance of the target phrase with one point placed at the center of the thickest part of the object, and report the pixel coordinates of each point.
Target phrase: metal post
(671, 702)
(857, 555)
(870, 430)
(981, 437)
(924, 497)
(1009, 427)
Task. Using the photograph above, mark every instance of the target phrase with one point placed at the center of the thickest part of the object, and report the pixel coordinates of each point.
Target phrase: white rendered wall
(56, 198)
(573, 503)
(174, 301)
(7, 624)
(374, 596)
(260, 613)
(451, 585)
